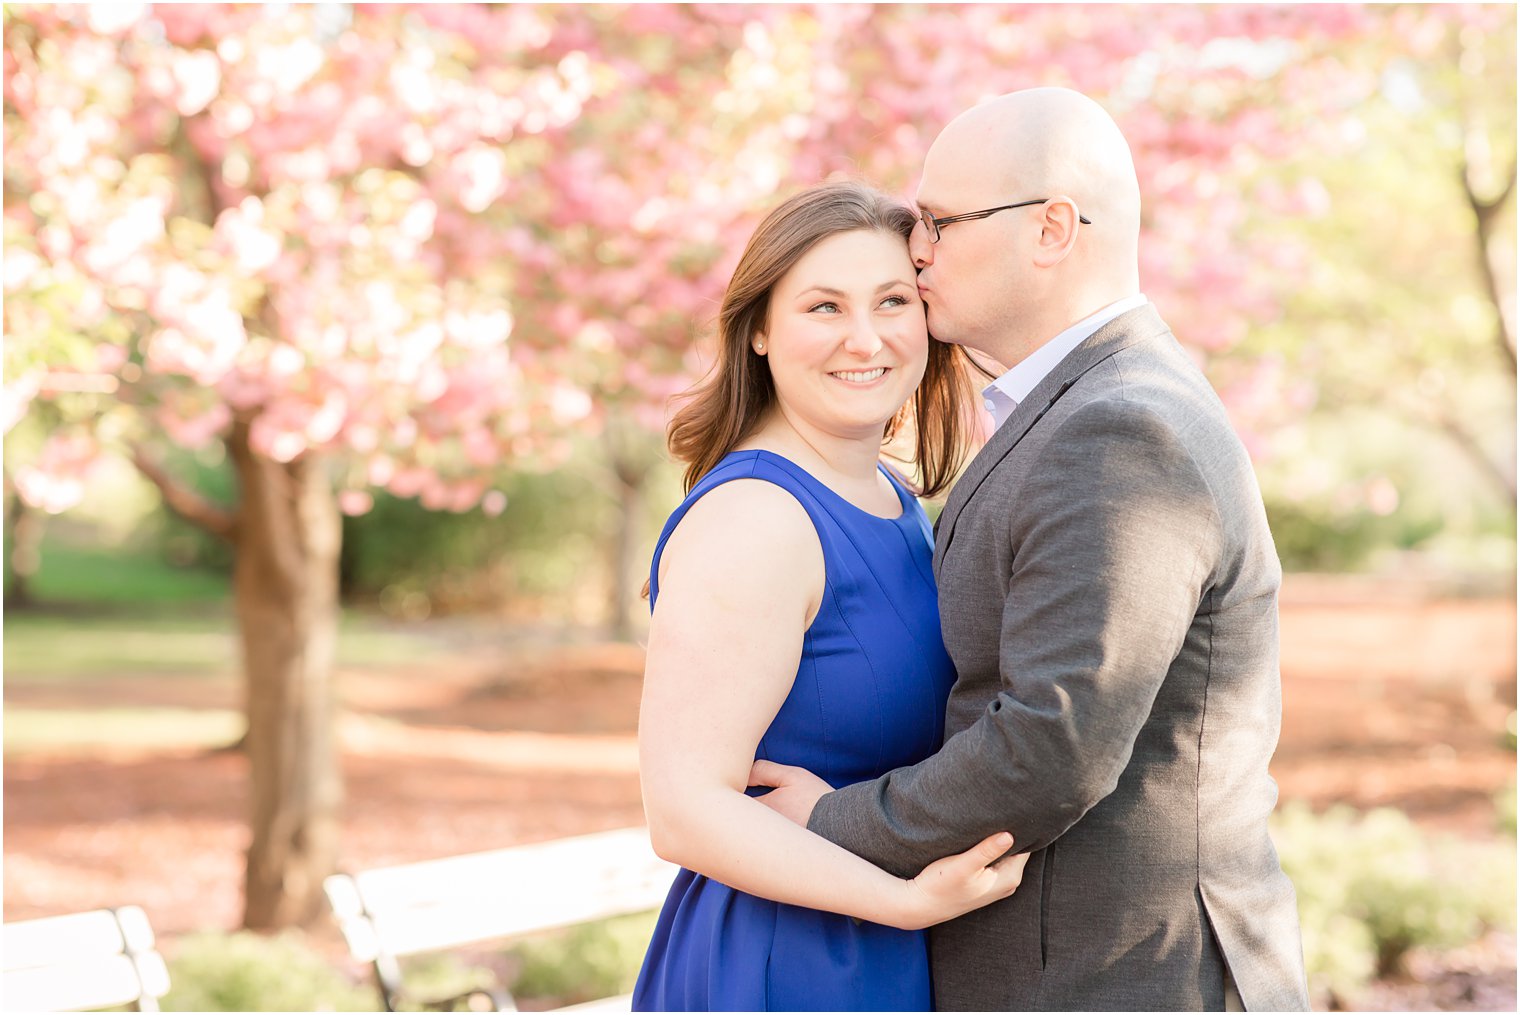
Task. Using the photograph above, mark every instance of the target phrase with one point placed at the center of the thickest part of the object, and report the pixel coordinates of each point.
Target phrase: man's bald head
(1044, 142)
(1005, 282)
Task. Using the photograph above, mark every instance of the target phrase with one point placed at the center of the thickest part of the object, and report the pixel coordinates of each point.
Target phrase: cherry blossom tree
(404, 246)
(664, 174)
(275, 229)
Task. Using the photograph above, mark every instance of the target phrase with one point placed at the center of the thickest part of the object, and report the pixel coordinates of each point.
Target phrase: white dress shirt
(1003, 395)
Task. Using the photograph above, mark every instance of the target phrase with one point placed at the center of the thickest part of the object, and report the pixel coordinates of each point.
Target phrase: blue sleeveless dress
(869, 696)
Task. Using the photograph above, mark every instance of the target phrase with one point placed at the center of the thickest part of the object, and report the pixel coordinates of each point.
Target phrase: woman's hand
(958, 884)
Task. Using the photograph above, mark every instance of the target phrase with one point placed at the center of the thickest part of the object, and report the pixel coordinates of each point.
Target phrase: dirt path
(1391, 703)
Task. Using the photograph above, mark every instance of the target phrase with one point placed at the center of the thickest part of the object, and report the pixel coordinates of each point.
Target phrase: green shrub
(250, 972)
(551, 537)
(434, 977)
(1504, 809)
(1371, 887)
(1318, 537)
(581, 963)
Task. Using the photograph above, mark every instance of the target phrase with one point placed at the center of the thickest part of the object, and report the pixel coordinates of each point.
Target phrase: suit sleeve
(1114, 533)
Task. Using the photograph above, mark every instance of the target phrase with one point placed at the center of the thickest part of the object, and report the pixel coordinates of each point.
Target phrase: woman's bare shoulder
(748, 526)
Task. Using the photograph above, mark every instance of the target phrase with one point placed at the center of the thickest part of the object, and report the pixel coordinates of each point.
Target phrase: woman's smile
(861, 378)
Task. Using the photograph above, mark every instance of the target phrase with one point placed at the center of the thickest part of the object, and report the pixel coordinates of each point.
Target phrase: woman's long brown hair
(730, 405)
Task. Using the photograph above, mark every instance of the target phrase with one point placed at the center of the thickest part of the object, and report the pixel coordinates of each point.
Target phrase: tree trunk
(25, 553)
(628, 566)
(285, 589)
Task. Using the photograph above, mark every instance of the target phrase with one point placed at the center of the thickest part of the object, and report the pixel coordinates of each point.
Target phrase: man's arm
(1115, 533)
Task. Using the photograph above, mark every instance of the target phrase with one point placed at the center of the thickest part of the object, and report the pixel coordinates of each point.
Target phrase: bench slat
(468, 875)
(99, 983)
(82, 960)
(439, 904)
(53, 939)
(622, 1003)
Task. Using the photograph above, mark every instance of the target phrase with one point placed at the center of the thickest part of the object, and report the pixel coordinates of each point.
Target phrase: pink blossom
(409, 482)
(480, 447)
(380, 470)
(55, 480)
(479, 330)
(355, 502)
(284, 362)
(15, 396)
(275, 439)
(241, 230)
(195, 431)
(493, 503)
(417, 224)
(328, 418)
(115, 18)
(172, 351)
(482, 173)
(460, 234)
(21, 267)
(567, 404)
(197, 78)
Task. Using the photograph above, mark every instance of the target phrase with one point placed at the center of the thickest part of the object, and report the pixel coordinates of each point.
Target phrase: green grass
(100, 576)
(49, 645)
(45, 646)
(251, 972)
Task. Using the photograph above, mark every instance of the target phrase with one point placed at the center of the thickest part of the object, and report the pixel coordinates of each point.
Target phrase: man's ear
(1058, 231)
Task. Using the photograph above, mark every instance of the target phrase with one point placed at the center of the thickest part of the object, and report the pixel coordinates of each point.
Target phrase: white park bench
(390, 912)
(99, 959)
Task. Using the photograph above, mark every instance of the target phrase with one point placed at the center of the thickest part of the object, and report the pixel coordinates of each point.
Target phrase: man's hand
(796, 789)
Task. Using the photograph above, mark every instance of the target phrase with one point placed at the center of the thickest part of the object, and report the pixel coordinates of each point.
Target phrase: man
(1108, 592)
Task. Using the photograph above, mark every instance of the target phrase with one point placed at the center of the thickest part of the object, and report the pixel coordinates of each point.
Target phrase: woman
(795, 620)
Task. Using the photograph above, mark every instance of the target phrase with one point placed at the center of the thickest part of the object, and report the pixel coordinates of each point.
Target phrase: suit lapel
(1127, 329)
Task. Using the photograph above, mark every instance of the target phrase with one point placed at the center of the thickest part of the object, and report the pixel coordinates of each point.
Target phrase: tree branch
(1487, 213)
(1502, 478)
(185, 502)
(1444, 422)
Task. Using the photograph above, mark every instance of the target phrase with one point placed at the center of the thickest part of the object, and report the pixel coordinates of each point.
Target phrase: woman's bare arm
(740, 581)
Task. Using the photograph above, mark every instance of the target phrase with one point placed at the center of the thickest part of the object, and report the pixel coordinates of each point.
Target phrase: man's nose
(919, 247)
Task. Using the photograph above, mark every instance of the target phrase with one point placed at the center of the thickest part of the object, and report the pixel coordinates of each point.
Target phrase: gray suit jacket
(1108, 591)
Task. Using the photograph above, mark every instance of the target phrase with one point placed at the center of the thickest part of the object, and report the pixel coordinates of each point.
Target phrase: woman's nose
(863, 340)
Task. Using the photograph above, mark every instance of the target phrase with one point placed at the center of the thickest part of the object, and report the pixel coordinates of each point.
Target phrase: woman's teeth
(860, 376)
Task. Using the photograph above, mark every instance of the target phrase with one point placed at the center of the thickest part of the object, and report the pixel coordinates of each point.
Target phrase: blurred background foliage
(1377, 394)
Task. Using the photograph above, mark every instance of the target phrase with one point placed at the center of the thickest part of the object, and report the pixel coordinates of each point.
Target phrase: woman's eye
(828, 307)
(895, 301)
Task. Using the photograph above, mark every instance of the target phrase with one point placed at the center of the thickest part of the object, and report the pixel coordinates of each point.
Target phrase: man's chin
(948, 337)
(940, 329)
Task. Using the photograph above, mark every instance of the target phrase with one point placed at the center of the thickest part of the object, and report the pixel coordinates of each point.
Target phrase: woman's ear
(758, 344)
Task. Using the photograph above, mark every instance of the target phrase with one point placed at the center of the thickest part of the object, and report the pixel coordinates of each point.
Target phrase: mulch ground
(1395, 702)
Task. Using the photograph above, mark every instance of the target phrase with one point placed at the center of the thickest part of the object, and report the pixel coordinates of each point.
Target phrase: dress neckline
(902, 516)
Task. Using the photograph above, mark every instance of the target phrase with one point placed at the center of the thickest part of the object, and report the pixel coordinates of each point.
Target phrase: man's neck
(1037, 331)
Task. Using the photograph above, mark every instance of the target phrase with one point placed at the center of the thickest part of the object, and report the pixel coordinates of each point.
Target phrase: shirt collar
(1018, 382)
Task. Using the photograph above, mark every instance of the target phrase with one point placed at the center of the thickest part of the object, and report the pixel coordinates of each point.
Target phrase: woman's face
(845, 335)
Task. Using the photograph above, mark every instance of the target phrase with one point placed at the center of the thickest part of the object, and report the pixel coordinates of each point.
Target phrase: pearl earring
(759, 346)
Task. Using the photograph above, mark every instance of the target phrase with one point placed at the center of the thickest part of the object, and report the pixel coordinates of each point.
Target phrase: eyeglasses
(934, 225)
